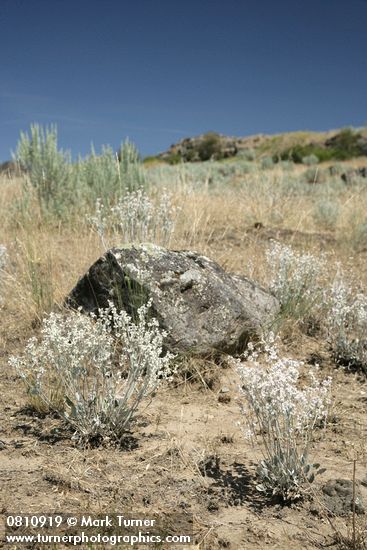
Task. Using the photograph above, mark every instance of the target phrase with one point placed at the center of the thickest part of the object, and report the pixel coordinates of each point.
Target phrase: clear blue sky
(160, 70)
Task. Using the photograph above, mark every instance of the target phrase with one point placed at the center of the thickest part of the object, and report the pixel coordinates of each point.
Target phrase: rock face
(202, 308)
(211, 146)
(204, 147)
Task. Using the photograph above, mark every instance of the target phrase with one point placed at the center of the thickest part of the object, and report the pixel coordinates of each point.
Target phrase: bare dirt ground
(186, 453)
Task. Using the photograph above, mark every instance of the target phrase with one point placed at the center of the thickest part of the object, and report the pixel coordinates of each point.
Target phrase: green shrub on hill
(298, 152)
(345, 145)
(174, 158)
(310, 160)
(210, 147)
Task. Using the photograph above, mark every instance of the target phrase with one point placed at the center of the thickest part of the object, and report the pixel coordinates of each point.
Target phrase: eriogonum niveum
(95, 372)
(347, 324)
(295, 280)
(284, 414)
(136, 218)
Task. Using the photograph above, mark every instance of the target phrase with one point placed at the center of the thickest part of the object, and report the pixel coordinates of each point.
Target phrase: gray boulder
(202, 308)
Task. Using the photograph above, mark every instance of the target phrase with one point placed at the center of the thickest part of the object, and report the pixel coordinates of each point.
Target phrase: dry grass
(186, 424)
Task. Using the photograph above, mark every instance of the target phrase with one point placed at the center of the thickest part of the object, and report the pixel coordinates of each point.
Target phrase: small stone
(224, 398)
(213, 506)
(338, 497)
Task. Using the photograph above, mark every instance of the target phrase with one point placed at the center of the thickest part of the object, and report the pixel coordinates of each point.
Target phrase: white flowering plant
(295, 279)
(95, 371)
(283, 416)
(347, 324)
(136, 218)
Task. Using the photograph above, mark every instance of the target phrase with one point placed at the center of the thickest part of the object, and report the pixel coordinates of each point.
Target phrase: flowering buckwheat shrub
(284, 416)
(295, 280)
(347, 325)
(136, 218)
(95, 372)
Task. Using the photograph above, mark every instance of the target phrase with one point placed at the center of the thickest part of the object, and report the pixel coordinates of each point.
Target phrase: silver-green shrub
(98, 176)
(267, 163)
(310, 160)
(358, 234)
(286, 165)
(62, 187)
(283, 416)
(109, 175)
(95, 372)
(48, 169)
(246, 154)
(210, 175)
(132, 173)
(326, 213)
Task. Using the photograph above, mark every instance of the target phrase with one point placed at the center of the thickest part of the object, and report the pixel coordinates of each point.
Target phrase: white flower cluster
(295, 279)
(95, 372)
(137, 218)
(347, 324)
(284, 414)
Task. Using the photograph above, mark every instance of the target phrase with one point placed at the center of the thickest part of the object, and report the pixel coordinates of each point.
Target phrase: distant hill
(332, 145)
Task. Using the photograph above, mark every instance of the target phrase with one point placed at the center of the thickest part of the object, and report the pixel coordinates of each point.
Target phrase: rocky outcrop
(204, 147)
(212, 146)
(202, 308)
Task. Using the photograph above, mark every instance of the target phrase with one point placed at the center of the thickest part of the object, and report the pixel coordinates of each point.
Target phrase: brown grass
(160, 469)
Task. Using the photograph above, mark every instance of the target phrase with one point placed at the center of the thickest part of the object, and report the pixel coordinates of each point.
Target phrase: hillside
(339, 144)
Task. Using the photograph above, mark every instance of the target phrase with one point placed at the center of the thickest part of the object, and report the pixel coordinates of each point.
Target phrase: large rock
(201, 307)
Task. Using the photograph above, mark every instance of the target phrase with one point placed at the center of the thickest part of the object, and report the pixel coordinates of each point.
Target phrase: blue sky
(160, 70)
